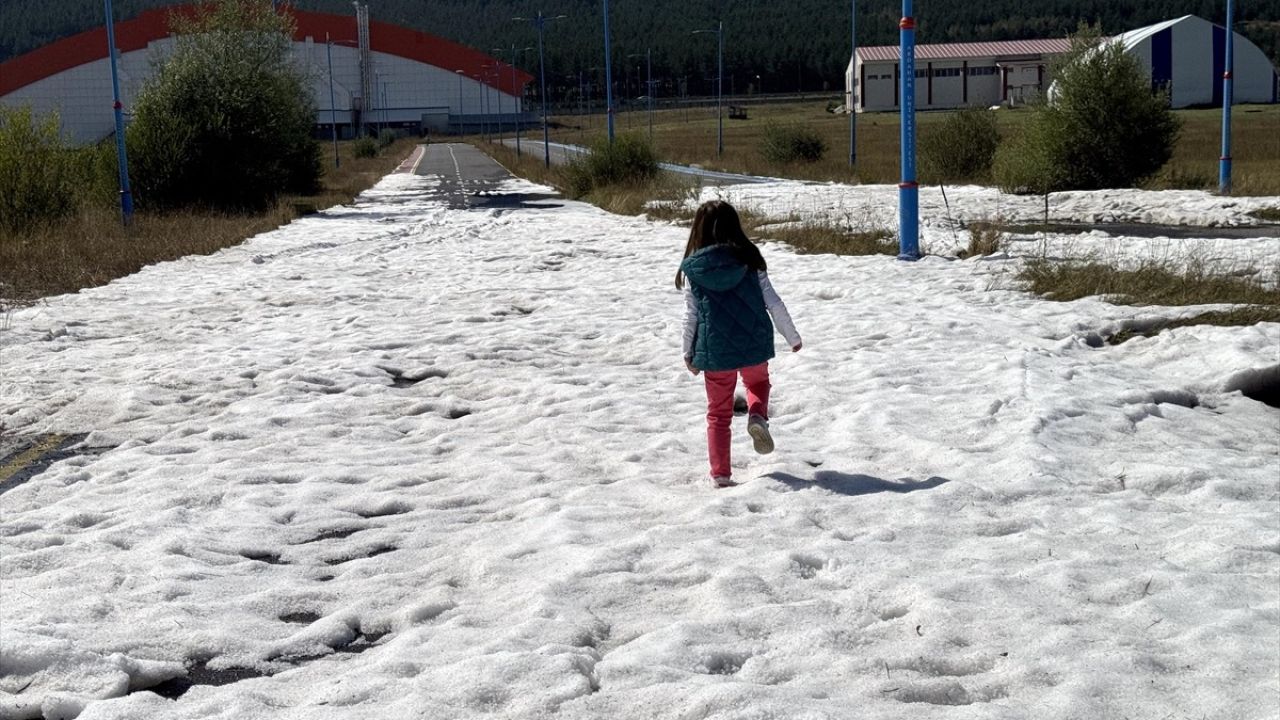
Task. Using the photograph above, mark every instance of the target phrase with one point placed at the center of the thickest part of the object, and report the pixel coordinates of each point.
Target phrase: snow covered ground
(462, 442)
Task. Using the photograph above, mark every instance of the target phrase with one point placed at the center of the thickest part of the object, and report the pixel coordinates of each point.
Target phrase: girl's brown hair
(717, 223)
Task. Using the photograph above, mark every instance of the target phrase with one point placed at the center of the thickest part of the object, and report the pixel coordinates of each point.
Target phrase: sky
(406, 460)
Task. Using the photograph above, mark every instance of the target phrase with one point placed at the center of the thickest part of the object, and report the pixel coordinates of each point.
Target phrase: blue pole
(519, 99)
(542, 71)
(126, 194)
(908, 189)
(1224, 163)
(853, 83)
(608, 72)
(333, 107)
(719, 89)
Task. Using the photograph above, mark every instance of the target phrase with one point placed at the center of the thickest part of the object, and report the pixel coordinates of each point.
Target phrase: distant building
(953, 75)
(397, 78)
(1184, 56)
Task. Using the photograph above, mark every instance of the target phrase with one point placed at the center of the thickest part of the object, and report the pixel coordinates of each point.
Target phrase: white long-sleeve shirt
(777, 310)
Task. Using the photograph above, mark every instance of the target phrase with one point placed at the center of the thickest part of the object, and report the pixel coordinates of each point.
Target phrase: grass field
(689, 137)
(93, 248)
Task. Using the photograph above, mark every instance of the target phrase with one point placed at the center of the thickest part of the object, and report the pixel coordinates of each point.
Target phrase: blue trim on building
(1162, 60)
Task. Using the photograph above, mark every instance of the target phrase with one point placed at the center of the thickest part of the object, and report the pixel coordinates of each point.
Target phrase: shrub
(791, 143)
(37, 178)
(961, 148)
(386, 137)
(628, 160)
(1101, 127)
(226, 121)
(365, 147)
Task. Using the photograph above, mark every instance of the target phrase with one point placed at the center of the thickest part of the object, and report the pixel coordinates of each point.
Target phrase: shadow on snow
(847, 484)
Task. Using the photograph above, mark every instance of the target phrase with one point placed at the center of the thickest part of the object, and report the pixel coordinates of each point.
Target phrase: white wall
(82, 95)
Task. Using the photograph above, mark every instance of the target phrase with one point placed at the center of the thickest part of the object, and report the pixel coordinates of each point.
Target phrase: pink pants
(720, 386)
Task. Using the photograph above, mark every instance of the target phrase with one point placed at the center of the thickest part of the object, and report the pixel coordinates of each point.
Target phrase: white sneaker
(758, 429)
(722, 481)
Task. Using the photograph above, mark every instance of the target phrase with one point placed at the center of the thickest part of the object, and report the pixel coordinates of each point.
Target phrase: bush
(386, 137)
(365, 147)
(1101, 127)
(628, 160)
(961, 148)
(226, 121)
(791, 143)
(38, 182)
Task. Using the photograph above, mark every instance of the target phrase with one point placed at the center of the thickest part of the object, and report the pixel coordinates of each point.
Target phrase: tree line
(801, 45)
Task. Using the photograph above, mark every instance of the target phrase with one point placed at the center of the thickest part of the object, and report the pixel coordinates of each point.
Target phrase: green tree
(37, 178)
(960, 148)
(226, 120)
(1102, 126)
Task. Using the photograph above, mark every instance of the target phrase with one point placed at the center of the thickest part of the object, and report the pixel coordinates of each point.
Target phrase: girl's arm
(690, 322)
(778, 311)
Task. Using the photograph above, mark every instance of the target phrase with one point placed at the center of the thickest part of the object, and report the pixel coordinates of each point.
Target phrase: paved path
(469, 179)
(562, 153)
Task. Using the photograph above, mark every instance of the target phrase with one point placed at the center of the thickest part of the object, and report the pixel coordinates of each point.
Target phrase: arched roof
(152, 25)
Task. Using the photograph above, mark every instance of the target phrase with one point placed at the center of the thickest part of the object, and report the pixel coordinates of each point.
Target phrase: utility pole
(122, 156)
(854, 88)
(608, 72)
(333, 106)
(1224, 162)
(908, 189)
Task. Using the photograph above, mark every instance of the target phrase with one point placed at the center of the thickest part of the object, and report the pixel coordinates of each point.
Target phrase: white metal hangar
(1184, 56)
(382, 74)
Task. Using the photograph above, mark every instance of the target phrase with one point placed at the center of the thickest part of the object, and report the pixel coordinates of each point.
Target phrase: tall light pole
(1224, 162)
(122, 157)
(648, 83)
(608, 73)
(460, 125)
(854, 88)
(333, 105)
(541, 21)
(908, 189)
(719, 33)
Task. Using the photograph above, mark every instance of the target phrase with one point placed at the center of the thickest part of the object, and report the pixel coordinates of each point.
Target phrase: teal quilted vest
(734, 329)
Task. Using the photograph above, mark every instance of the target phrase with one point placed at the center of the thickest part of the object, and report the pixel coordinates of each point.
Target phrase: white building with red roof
(400, 78)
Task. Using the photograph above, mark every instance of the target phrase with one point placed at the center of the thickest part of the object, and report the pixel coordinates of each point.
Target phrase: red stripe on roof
(152, 25)
(962, 51)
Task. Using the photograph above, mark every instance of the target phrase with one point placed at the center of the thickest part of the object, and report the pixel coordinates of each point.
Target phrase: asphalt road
(469, 179)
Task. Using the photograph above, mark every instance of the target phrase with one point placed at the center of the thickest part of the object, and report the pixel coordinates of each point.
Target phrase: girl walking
(727, 327)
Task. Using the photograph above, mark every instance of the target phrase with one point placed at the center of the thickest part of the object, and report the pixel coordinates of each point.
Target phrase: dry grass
(1247, 315)
(985, 238)
(689, 137)
(1269, 214)
(1255, 147)
(1150, 283)
(92, 248)
(663, 197)
(812, 238)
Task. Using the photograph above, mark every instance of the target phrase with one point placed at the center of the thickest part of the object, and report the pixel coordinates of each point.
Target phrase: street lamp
(608, 73)
(333, 105)
(540, 21)
(854, 88)
(460, 76)
(1224, 162)
(719, 33)
(520, 109)
(648, 59)
(122, 157)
